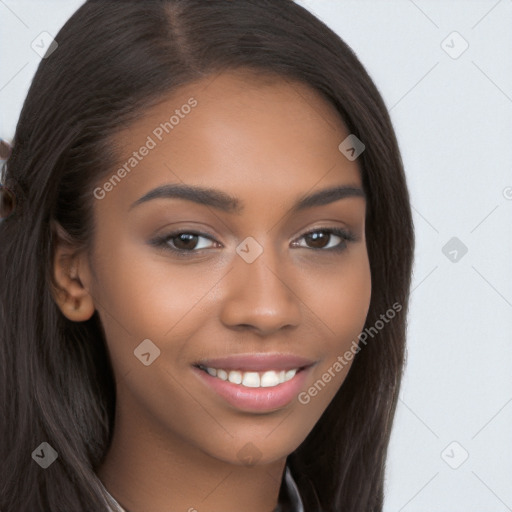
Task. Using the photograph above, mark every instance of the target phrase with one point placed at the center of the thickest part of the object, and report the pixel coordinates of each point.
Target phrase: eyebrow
(229, 204)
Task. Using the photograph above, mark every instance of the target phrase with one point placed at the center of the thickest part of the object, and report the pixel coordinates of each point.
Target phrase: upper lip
(257, 362)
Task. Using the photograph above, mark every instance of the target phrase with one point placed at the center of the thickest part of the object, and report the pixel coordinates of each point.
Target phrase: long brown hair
(115, 59)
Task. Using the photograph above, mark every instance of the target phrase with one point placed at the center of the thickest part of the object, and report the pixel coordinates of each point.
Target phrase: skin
(268, 142)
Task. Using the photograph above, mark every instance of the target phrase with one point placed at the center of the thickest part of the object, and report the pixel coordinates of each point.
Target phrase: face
(230, 272)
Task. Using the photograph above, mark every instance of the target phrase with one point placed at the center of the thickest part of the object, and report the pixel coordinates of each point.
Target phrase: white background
(453, 118)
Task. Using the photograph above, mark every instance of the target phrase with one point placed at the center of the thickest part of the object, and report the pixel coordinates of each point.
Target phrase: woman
(206, 256)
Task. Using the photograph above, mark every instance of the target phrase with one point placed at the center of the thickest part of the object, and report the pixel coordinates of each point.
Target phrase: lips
(255, 382)
(256, 362)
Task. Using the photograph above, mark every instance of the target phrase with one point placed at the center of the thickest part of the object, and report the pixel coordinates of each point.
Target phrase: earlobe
(68, 287)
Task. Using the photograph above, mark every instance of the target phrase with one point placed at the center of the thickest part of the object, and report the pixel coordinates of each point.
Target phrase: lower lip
(256, 399)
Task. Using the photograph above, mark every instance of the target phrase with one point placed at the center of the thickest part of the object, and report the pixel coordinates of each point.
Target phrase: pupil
(318, 237)
(185, 238)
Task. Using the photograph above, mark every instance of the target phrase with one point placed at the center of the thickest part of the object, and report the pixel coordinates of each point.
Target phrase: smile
(254, 391)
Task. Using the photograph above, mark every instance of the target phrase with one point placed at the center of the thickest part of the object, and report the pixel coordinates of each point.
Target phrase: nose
(260, 295)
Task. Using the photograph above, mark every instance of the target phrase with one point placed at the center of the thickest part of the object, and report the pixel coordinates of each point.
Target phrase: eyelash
(163, 241)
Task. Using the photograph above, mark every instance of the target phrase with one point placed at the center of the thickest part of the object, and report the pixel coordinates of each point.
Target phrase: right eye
(182, 242)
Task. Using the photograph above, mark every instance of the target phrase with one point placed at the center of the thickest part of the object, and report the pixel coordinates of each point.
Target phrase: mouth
(255, 382)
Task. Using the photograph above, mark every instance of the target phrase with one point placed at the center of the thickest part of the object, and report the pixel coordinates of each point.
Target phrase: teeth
(269, 379)
(235, 377)
(222, 374)
(289, 374)
(266, 379)
(251, 379)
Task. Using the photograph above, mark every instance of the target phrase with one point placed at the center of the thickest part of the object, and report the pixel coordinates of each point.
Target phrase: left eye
(319, 238)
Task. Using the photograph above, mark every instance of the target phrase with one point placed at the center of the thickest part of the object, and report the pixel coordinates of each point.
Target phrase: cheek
(147, 293)
(347, 300)
(338, 299)
(341, 306)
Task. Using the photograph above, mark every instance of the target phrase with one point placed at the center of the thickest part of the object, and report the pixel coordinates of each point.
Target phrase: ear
(71, 276)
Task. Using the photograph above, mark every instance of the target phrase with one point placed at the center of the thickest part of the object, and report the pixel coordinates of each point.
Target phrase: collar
(293, 492)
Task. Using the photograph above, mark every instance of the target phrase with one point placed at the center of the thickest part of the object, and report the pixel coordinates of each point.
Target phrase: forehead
(258, 137)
